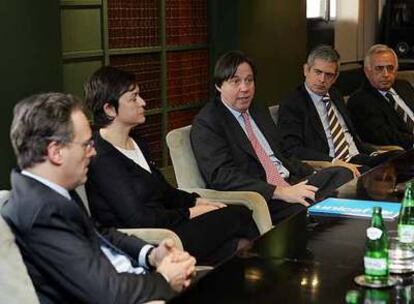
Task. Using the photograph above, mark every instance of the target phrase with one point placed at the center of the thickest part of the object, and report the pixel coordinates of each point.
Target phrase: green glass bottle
(403, 294)
(376, 250)
(377, 296)
(406, 219)
(353, 297)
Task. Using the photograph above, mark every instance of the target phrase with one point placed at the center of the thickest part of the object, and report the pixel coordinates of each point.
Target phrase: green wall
(82, 43)
(272, 32)
(30, 62)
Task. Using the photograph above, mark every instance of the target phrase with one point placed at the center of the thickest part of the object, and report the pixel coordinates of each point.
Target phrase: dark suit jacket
(225, 156)
(122, 194)
(302, 130)
(375, 119)
(62, 252)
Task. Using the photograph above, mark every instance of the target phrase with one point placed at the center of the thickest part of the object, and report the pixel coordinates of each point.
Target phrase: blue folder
(354, 208)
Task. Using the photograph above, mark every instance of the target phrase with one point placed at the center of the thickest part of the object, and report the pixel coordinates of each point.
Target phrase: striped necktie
(272, 174)
(341, 146)
(400, 111)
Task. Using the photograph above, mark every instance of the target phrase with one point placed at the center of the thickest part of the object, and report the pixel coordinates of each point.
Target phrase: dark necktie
(341, 146)
(272, 174)
(103, 241)
(114, 248)
(400, 111)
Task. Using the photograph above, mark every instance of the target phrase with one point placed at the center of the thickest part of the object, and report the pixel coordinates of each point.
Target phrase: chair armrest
(154, 235)
(387, 148)
(4, 196)
(318, 164)
(321, 164)
(252, 200)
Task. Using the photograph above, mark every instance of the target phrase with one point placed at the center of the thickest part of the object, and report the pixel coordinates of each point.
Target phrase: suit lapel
(237, 133)
(76, 198)
(340, 106)
(314, 118)
(263, 124)
(267, 127)
(104, 147)
(401, 88)
(385, 106)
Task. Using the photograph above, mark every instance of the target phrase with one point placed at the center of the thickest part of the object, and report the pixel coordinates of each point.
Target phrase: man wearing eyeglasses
(382, 110)
(314, 121)
(237, 147)
(68, 259)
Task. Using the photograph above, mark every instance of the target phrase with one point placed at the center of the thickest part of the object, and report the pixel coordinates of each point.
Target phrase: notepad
(354, 208)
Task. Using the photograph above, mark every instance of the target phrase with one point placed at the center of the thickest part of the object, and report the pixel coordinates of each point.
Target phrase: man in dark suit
(314, 122)
(382, 110)
(236, 145)
(126, 191)
(68, 260)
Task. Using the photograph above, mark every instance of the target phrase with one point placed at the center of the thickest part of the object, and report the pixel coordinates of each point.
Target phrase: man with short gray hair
(237, 146)
(314, 122)
(382, 110)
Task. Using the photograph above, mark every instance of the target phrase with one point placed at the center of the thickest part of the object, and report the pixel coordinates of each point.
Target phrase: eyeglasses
(381, 68)
(86, 145)
(236, 81)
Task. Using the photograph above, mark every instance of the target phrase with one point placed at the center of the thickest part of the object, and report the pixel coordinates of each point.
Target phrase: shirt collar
(315, 97)
(59, 189)
(235, 113)
(391, 91)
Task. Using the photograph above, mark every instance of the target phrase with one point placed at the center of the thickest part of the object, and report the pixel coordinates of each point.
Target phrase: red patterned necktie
(272, 174)
(341, 146)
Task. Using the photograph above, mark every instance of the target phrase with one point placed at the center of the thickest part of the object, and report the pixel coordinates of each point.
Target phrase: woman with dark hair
(125, 190)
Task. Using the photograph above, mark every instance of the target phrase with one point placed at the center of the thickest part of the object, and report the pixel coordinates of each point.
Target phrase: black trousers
(213, 236)
(327, 180)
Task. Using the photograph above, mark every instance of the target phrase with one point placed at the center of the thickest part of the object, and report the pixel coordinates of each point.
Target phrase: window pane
(332, 13)
(317, 9)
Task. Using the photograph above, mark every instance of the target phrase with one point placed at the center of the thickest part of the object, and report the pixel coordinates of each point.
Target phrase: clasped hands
(177, 266)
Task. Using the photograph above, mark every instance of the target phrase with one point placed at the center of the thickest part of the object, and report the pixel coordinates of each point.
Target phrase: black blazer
(225, 156)
(62, 253)
(302, 130)
(122, 194)
(375, 119)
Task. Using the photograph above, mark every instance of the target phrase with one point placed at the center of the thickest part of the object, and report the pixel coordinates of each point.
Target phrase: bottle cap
(377, 209)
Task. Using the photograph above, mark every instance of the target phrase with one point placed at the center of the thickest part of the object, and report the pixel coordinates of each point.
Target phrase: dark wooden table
(310, 260)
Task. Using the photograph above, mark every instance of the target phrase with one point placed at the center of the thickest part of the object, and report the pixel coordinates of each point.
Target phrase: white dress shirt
(135, 155)
(323, 116)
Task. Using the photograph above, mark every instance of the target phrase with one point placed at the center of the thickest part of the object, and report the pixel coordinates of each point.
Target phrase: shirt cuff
(142, 257)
